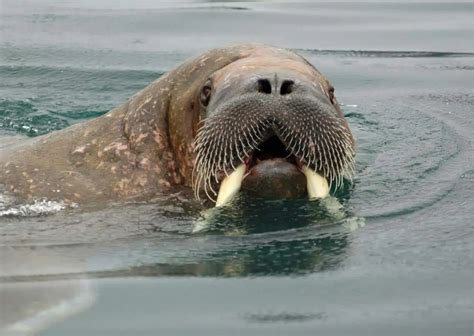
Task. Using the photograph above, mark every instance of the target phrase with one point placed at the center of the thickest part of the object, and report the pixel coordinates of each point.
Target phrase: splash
(38, 208)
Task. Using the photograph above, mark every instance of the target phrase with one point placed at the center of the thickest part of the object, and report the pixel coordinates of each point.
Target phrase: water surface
(399, 261)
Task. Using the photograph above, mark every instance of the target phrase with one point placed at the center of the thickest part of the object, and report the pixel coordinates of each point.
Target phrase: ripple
(414, 166)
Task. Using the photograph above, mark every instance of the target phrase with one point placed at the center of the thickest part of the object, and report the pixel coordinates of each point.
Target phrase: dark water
(400, 261)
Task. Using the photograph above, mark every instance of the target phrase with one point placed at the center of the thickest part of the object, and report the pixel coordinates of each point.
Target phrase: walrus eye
(331, 94)
(206, 93)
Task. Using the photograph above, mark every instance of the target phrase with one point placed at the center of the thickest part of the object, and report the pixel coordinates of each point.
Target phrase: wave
(28, 117)
(384, 53)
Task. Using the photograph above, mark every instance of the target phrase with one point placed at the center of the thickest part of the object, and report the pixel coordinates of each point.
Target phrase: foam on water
(37, 208)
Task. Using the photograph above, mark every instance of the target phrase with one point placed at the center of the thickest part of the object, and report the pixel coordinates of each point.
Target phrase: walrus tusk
(317, 185)
(230, 186)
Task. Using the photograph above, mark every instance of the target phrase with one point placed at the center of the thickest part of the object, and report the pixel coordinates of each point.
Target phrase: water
(400, 261)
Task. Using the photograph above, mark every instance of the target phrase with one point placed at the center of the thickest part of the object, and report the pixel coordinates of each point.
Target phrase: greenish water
(400, 260)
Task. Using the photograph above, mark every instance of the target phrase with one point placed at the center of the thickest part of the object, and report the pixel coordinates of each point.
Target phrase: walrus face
(272, 126)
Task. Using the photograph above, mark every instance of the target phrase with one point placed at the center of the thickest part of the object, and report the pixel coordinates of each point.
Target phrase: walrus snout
(275, 86)
(273, 144)
(273, 126)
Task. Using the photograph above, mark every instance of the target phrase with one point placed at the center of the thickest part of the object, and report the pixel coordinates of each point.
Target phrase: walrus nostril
(286, 87)
(264, 86)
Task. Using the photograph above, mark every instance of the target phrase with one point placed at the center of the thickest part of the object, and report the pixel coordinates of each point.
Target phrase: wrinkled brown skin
(137, 150)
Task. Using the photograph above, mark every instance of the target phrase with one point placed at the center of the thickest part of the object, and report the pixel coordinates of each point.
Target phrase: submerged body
(247, 115)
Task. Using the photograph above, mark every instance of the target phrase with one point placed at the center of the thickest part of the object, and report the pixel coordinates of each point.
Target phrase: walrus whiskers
(315, 138)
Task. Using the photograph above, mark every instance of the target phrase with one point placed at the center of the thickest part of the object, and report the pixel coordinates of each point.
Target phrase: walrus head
(271, 124)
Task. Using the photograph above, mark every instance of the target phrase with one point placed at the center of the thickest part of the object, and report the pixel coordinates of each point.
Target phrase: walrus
(251, 117)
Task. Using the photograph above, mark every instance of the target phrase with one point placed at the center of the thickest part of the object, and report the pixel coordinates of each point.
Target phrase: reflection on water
(292, 254)
(251, 237)
(248, 212)
(275, 258)
(41, 284)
